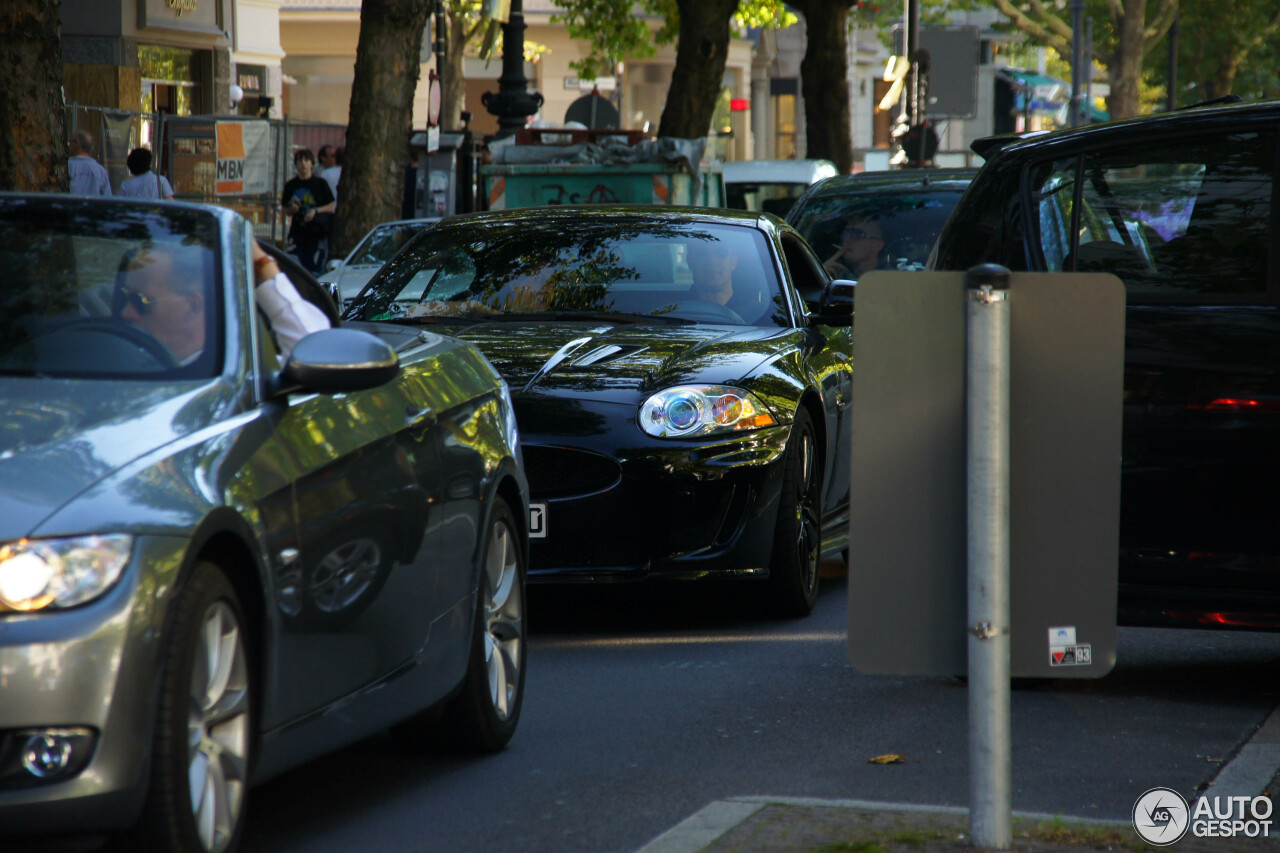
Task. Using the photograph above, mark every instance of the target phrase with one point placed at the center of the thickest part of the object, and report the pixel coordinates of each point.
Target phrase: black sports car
(681, 379)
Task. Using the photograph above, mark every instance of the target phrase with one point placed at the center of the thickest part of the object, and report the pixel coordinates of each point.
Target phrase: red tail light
(1236, 404)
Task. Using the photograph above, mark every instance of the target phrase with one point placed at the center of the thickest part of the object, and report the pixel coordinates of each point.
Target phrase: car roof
(895, 180)
(426, 220)
(778, 171)
(1183, 119)
(605, 212)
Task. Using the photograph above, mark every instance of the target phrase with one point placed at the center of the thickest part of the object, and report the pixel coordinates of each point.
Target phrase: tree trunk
(454, 92)
(33, 145)
(371, 189)
(1125, 66)
(824, 76)
(701, 52)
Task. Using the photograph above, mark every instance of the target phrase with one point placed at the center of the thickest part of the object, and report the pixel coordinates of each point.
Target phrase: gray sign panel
(907, 573)
(953, 71)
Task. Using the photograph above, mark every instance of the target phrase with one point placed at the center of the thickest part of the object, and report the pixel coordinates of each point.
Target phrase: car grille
(560, 472)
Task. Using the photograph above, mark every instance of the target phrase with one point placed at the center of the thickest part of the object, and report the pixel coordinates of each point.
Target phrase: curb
(1247, 774)
(715, 819)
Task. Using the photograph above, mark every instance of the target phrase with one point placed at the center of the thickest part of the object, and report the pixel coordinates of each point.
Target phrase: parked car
(878, 220)
(347, 276)
(215, 570)
(672, 427)
(1180, 206)
(771, 186)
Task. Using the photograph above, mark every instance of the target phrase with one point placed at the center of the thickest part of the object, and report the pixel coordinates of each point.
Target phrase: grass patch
(1060, 832)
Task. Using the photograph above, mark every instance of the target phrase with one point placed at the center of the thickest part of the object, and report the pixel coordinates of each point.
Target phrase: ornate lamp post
(513, 103)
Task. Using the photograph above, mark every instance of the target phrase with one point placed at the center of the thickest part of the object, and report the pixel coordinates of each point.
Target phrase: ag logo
(1161, 817)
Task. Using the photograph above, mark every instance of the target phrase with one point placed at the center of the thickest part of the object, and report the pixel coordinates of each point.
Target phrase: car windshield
(775, 198)
(107, 291)
(909, 222)
(381, 244)
(562, 267)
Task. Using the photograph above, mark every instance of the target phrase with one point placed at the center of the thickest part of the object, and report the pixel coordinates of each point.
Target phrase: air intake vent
(560, 472)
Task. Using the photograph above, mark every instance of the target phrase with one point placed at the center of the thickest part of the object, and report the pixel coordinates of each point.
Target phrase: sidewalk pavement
(762, 824)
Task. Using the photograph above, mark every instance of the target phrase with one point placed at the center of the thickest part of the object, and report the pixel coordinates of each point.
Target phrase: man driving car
(162, 291)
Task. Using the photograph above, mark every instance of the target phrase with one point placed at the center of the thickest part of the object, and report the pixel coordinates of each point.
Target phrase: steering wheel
(128, 332)
(713, 312)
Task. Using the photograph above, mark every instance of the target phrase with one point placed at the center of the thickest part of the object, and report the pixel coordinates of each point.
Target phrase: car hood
(618, 362)
(59, 437)
(350, 280)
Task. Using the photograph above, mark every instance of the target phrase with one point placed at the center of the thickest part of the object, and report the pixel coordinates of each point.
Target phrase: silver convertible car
(215, 566)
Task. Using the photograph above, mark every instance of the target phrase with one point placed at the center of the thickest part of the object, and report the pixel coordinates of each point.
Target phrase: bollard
(987, 390)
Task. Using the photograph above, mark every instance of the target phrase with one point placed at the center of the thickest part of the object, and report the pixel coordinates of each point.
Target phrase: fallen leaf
(890, 758)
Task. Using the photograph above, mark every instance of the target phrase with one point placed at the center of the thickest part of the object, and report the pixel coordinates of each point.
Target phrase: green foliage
(1215, 38)
(884, 15)
(619, 30)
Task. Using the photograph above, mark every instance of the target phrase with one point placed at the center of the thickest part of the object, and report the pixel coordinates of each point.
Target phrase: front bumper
(93, 667)
(669, 508)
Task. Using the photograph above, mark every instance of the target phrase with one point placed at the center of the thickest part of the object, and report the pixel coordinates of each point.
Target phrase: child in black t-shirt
(309, 201)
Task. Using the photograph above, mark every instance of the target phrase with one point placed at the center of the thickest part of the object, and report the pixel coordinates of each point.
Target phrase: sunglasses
(857, 233)
(140, 302)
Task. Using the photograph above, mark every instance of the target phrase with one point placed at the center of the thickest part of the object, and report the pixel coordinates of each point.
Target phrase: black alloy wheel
(797, 539)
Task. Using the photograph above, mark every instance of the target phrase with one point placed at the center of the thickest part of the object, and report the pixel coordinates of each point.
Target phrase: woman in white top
(144, 183)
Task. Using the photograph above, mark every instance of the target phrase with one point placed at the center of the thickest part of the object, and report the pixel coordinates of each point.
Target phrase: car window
(909, 221)
(382, 245)
(1188, 216)
(115, 293)
(527, 266)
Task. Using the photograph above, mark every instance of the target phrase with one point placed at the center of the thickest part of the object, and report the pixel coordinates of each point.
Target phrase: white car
(771, 186)
(346, 277)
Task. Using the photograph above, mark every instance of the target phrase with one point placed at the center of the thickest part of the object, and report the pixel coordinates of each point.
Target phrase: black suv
(1182, 207)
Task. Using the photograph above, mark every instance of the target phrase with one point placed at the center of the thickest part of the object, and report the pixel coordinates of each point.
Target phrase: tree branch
(1159, 26)
(1058, 26)
(1032, 28)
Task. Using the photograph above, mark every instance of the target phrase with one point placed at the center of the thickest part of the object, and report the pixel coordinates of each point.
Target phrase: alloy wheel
(503, 589)
(218, 728)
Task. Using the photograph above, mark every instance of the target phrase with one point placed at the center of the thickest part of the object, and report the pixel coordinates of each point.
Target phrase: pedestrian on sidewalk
(144, 183)
(88, 176)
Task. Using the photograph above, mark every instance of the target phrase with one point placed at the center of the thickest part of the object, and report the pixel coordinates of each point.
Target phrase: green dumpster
(509, 185)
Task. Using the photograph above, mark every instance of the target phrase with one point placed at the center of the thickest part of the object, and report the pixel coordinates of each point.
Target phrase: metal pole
(990, 730)
(913, 47)
(1077, 63)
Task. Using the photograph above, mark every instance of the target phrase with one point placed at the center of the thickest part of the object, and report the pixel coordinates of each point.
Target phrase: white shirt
(146, 186)
(331, 176)
(292, 318)
(88, 176)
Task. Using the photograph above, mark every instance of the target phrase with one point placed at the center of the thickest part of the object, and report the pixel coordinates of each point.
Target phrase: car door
(831, 363)
(359, 599)
(1189, 226)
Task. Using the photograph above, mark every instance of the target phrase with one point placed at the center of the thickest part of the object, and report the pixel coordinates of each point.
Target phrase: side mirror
(334, 263)
(835, 308)
(335, 360)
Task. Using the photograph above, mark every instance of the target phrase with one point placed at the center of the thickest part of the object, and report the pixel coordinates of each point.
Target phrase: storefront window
(784, 126)
(170, 79)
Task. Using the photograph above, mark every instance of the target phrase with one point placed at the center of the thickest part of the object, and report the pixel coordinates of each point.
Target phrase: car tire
(797, 539)
(482, 715)
(204, 726)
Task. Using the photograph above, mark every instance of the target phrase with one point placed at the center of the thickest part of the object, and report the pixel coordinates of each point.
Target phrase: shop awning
(1046, 94)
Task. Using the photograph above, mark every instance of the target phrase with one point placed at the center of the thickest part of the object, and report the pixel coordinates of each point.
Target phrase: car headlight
(687, 411)
(55, 573)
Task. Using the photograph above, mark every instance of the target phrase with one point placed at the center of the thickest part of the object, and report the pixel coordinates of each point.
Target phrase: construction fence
(239, 162)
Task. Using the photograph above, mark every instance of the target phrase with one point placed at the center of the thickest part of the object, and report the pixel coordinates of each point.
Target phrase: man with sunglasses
(859, 250)
(163, 293)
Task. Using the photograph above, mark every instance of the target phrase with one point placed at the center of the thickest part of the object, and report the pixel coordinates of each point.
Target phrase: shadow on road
(659, 606)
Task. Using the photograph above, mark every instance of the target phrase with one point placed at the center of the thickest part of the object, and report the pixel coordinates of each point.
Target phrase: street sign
(907, 573)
